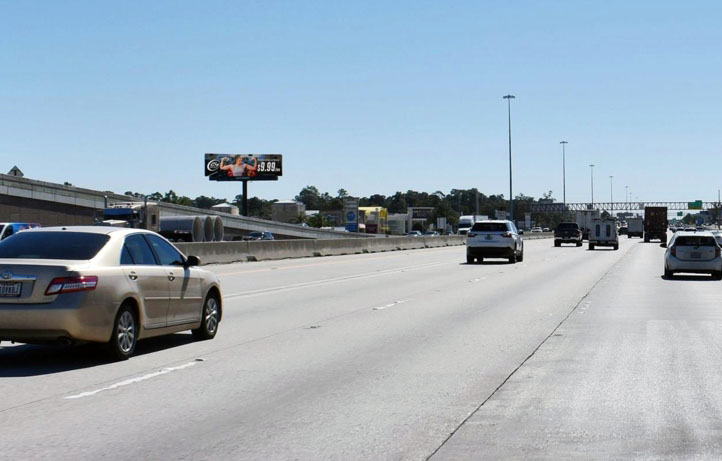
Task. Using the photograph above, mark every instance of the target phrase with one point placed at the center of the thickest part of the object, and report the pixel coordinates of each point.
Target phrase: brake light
(673, 251)
(471, 234)
(716, 251)
(507, 235)
(71, 284)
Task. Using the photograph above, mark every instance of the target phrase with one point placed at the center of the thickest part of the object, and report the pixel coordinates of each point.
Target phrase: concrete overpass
(616, 206)
(51, 204)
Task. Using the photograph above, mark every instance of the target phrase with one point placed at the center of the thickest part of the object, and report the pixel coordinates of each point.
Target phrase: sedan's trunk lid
(25, 281)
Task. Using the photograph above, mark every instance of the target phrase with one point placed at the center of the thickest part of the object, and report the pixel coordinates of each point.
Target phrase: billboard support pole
(244, 211)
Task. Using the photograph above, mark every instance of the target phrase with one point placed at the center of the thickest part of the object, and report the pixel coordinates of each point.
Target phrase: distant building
(398, 223)
(287, 211)
(226, 208)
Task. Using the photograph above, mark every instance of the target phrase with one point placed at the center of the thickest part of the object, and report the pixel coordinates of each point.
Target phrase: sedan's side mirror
(192, 261)
(663, 245)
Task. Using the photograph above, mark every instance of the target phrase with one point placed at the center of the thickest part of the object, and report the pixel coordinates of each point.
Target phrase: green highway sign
(696, 205)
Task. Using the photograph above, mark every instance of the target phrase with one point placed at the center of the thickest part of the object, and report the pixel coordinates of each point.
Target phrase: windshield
(53, 245)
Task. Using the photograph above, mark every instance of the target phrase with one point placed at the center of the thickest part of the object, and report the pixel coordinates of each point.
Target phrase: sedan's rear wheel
(668, 274)
(125, 334)
(210, 319)
(512, 258)
(469, 259)
(717, 275)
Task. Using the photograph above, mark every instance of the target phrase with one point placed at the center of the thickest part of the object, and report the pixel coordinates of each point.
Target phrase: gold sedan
(102, 284)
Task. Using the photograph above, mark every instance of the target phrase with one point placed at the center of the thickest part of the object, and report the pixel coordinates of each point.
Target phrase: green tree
(207, 202)
(310, 197)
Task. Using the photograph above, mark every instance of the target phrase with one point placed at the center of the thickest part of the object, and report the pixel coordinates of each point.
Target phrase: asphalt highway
(400, 355)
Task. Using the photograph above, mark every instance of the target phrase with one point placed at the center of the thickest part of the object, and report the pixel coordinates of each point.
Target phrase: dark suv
(567, 232)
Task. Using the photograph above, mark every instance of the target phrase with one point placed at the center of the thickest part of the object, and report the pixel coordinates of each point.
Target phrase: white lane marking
(395, 303)
(128, 382)
(315, 283)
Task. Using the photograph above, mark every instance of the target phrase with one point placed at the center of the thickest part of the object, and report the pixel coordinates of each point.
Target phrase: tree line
(450, 205)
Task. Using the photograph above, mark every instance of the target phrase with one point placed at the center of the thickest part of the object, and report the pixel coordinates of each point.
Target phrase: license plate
(488, 237)
(695, 255)
(10, 289)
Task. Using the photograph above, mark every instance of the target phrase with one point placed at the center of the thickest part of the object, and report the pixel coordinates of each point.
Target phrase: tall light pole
(508, 98)
(611, 194)
(564, 171)
(592, 170)
(626, 196)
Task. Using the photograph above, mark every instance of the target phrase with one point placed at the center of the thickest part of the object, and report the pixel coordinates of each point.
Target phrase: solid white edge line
(127, 382)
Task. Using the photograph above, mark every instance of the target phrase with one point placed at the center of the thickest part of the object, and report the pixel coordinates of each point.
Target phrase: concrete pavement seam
(513, 372)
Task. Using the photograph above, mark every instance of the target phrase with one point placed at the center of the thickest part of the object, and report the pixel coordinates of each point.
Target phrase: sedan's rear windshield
(489, 227)
(53, 245)
(568, 226)
(695, 241)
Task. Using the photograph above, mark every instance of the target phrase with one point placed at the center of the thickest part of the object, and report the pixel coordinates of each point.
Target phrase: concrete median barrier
(262, 250)
(341, 247)
(227, 252)
(216, 252)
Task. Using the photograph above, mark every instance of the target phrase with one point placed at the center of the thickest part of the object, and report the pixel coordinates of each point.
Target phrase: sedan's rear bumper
(490, 252)
(71, 317)
(700, 267)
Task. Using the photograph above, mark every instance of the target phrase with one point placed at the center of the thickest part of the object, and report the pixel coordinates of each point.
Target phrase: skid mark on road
(130, 381)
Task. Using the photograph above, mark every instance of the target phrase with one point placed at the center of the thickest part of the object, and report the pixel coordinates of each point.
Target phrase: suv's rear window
(489, 227)
(53, 245)
(695, 241)
(568, 226)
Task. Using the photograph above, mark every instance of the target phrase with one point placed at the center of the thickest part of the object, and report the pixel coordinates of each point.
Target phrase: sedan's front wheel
(125, 334)
(210, 319)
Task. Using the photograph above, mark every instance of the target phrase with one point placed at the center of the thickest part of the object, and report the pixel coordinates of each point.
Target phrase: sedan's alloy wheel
(211, 315)
(126, 332)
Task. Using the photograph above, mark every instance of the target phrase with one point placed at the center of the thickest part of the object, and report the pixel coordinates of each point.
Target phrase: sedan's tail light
(716, 251)
(507, 235)
(471, 234)
(673, 251)
(71, 284)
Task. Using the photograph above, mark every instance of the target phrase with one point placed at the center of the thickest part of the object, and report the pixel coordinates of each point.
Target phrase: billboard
(243, 167)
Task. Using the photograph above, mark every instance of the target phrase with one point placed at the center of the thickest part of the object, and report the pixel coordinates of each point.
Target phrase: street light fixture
(508, 98)
(564, 171)
(592, 170)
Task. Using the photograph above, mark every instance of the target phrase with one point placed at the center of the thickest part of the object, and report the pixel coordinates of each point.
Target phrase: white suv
(695, 252)
(494, 239)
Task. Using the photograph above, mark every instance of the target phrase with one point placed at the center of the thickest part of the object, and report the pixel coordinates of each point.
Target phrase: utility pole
(564, 172)
(508, 98)
(611, 193)
(592, 175)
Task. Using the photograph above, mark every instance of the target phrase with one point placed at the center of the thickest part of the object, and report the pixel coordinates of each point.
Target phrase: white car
(718, 236)
(494, 239)
(695, 252)
(536, 229)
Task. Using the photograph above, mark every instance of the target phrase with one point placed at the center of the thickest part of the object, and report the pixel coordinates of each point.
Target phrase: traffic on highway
(413, 354)
(463, 230)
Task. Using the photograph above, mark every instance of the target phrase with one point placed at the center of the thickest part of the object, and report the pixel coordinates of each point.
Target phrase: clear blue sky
(374, 97)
